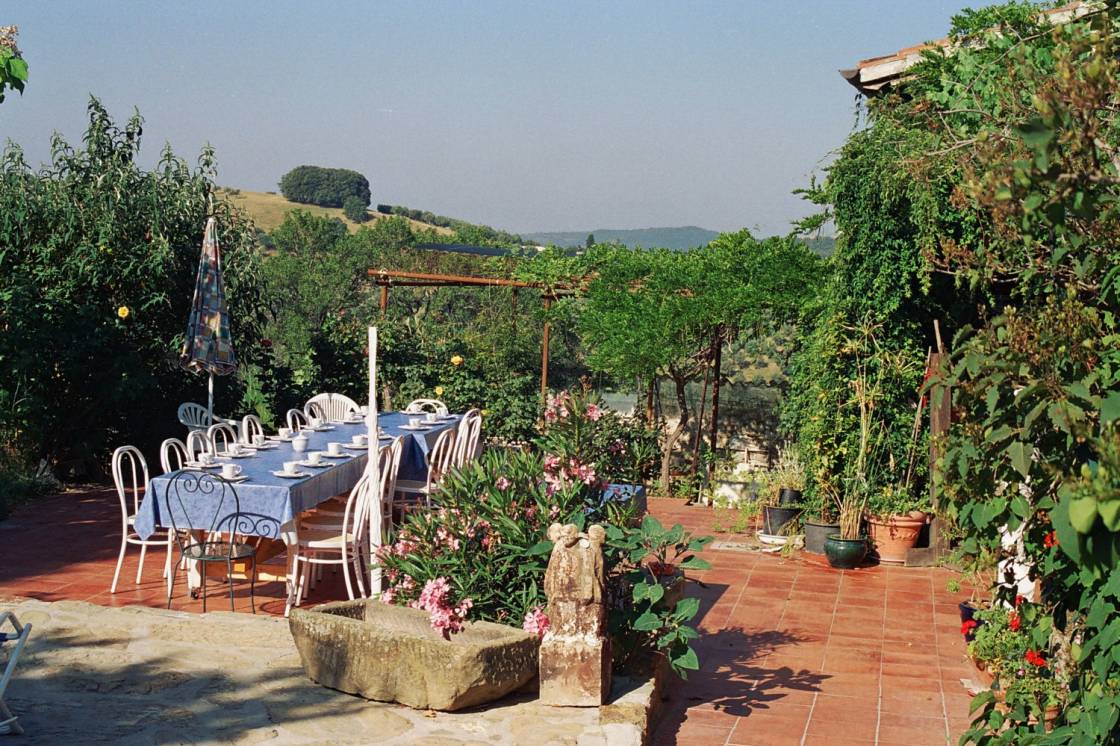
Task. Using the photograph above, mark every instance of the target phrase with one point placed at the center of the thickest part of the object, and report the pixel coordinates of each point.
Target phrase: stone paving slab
(137, 675)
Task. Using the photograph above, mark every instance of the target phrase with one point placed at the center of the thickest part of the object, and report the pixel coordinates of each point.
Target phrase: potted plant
(660, 556)
(790, 477)
(777, 520)
(820, 520)
(894, 522)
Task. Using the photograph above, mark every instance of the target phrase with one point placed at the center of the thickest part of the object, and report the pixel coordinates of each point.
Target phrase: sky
(528, 116)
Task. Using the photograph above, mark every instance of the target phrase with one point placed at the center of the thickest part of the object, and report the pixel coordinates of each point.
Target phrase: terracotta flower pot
(896, 535)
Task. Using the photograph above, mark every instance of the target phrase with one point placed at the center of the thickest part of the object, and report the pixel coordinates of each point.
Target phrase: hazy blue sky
(523, 115)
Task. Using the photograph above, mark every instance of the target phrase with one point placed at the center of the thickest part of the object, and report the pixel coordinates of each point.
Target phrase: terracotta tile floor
(792, 651)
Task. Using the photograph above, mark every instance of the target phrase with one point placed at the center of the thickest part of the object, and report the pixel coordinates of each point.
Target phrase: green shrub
(326, 187)
(353, 209)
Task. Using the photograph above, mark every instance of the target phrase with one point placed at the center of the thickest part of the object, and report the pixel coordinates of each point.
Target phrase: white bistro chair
(251, 426)
(466, 438)
(418, 406)
(221, 437)
(440, 461)
(197, 442)
(297, 420)
(19, 634)
(331, 407)
(173, 454)
(130, 474)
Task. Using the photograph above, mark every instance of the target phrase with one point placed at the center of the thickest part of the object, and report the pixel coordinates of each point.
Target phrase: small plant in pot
(660, 556)
(777, 520)
(895, 520)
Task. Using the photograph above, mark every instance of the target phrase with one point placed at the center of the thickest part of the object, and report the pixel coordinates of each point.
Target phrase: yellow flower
(123, 312)
(439, 390)
(486, 413)
(456, 360)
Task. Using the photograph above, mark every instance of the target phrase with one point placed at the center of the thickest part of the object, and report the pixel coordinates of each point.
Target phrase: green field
(268, 210)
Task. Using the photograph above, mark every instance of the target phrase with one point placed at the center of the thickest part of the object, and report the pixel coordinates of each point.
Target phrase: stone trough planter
(391, 654)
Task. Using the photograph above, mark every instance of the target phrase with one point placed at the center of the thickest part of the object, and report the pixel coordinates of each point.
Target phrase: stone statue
(575, 658)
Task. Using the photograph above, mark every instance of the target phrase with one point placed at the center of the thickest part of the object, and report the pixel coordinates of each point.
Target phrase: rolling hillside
(268, 210)
(683, 237)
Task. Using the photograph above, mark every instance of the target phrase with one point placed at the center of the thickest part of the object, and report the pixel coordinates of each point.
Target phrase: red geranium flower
(1019, 600)
(1035, 658)
(1051, 539)
(967, 626)
(1014, 622)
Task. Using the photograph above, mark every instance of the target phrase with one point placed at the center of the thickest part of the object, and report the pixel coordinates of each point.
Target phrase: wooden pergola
(387, 278)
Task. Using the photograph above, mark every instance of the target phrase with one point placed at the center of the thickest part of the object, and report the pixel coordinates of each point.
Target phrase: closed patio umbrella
(209, 345)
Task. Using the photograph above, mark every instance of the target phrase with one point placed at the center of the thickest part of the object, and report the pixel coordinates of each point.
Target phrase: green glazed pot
(845, 554)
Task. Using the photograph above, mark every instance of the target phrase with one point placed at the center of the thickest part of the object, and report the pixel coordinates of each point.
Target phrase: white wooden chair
(130, 475)
(417, 406)
(331, 407)
(297, 420)
(251, 426)
(221, 437)
(8, 722)
(194, 416)
(197, 442)
(330, 512)
(320, 544)
(440, 461)
(173, 454)
(466, 438)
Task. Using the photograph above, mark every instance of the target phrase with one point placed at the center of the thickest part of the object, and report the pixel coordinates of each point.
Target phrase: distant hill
(822, 245)
(268, 210)
(683, 237)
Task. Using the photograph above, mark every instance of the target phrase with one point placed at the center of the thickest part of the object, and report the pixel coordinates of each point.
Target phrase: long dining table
(275, 502)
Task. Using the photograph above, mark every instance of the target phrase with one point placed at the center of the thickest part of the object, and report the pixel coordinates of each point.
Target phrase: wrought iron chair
(8, 722)
(189, 498)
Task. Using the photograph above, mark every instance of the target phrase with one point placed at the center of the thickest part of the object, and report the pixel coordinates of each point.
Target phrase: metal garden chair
(19, 635)
(191, 495)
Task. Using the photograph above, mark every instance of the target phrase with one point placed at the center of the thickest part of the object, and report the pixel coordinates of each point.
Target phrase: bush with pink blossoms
(484, 543)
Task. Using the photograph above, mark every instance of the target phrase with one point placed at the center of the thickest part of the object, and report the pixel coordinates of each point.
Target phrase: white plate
(293, 475)
(416, 427)
(227, 454)
(321, 428)
(358, 421)
(319, 465)
(341, 455)
(353, 447)
(278, 439)
(196, 466)
(238, 478)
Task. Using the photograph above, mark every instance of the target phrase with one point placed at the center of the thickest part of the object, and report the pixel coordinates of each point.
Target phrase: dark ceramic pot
(775, 518)
(788, 498)
(845, 554)
(968, 614)
(817, 533)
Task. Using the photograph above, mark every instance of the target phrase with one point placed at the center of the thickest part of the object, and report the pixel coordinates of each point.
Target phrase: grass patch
(268, 210)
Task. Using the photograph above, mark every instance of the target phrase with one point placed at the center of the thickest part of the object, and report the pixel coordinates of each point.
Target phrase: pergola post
(544, 346)
(384, 302)
(717, 355)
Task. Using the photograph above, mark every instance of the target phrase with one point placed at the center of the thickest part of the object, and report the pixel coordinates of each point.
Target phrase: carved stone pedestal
(575, 671)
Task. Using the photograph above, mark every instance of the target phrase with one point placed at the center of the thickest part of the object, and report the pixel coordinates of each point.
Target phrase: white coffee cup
(258, 440)
(299, 443)
(414, 421)
(430, 417)
(334, 449)
(205, 458)
(358, 440)
(290, 467)
(233, 449)
(313, 457)
(316, 422)
(285, 432)
(230, 471)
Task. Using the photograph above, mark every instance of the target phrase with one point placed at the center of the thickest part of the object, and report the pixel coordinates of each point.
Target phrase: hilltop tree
(326, 187)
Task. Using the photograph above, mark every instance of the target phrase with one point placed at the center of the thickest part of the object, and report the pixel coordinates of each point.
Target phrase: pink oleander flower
(551, 463)
(531, 512)
(536, 622)
(616, 447)
(593, 412)
(554, 512)
(389, 595)
(447, 539)
(502, 483)
(563, 412)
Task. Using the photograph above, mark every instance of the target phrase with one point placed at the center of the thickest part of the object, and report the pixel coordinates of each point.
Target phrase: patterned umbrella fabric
(209, 346)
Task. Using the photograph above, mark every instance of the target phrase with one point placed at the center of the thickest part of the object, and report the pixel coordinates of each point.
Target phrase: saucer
(340, 455)
(319, 465)
(293, 475)
(416, 427)
(353, 447)
(278, 439)
(238, 478)
(199, 466)
(227, 454)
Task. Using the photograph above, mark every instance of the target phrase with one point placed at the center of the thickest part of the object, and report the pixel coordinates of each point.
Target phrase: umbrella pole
(375, 507)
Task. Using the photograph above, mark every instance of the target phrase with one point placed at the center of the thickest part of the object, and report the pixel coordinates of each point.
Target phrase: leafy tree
(353, 209)
(326, 187)
(96, 280)
(587, 244)
(13, 67)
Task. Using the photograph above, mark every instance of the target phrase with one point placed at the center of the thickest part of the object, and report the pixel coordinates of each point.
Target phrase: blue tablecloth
(280, 499)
